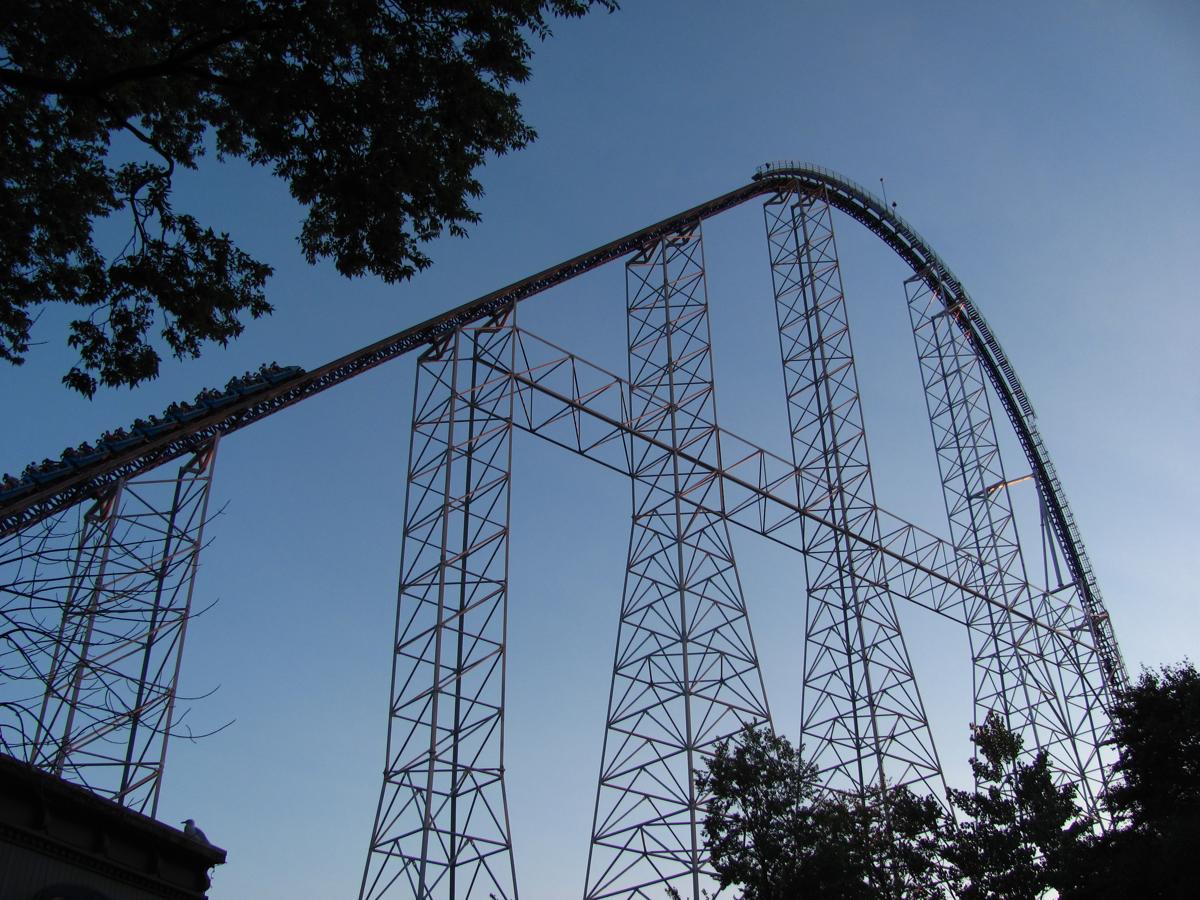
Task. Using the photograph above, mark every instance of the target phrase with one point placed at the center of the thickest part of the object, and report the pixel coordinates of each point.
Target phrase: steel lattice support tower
(863, 722)
(1047, 691)
(442, 829)
(98, 610)
(686, 674)
(98, 559)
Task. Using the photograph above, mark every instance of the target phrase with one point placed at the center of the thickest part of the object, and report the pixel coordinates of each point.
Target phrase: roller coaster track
(95, 479)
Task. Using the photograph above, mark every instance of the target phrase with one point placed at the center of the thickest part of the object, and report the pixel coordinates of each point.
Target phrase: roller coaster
(99, 549)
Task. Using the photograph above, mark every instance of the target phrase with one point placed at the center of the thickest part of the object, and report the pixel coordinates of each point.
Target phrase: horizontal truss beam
(573, 403)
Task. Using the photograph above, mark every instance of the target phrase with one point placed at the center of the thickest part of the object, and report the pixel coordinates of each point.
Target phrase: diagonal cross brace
(576, 404)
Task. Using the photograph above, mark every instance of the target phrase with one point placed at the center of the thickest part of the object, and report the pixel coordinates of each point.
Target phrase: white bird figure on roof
(190, 829)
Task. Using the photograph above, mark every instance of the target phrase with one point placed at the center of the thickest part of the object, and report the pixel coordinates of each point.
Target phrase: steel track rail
(772, 178)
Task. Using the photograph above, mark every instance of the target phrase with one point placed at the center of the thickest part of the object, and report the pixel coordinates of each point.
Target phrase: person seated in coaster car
(48, 470)
(84, 454)
(11, 487)
(211, 398)
(279, 374)
(153, 426)
(183, 412)
(118, 439)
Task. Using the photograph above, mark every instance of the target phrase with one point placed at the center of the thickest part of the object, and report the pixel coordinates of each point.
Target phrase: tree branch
(91, 87)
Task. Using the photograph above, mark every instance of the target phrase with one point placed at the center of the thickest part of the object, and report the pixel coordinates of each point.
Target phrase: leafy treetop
(1019, 828)
(772, 829)
(375, 112)
(1155, 800)
(1017, 836)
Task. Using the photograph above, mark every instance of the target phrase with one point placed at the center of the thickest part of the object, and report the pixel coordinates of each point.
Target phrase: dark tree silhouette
(1017, 836)
(770, 829)
(1155, 802)
(376, 114)
(1019, 830)
(1157, 727)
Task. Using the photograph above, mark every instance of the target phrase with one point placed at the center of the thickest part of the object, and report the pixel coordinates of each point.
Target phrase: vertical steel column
(111, 679)
(442, 829)
(685, 674)
(1042, 686)
(863, 722)
(79, 608)
(161, 650)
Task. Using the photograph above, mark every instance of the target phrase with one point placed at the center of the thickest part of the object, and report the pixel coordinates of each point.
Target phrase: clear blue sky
(1048, 151)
